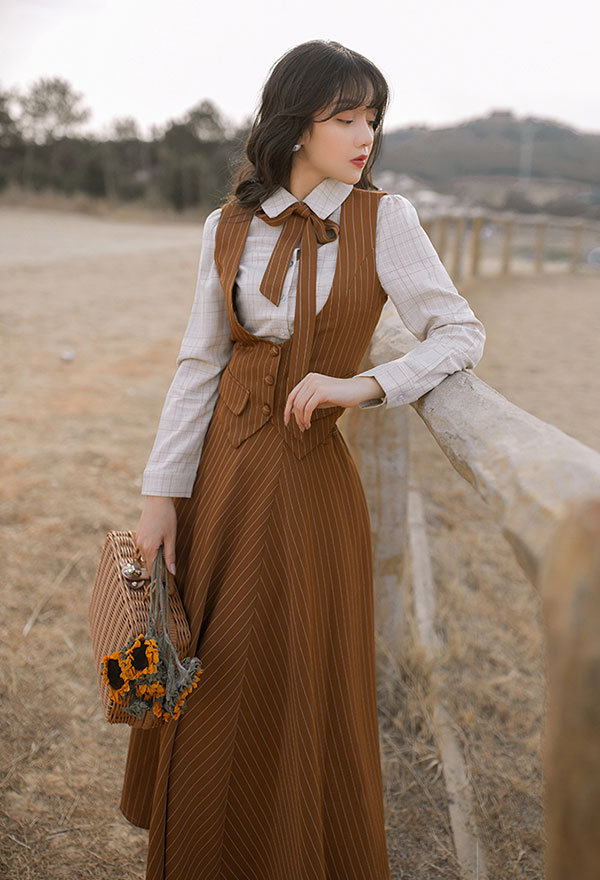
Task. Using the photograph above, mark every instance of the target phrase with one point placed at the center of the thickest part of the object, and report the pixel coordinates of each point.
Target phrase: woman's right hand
(157, 525)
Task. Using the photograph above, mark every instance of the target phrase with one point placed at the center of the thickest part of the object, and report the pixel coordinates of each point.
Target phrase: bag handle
(158, 612)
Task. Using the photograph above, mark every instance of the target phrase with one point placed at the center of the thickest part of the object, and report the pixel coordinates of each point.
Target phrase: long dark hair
(304, 81)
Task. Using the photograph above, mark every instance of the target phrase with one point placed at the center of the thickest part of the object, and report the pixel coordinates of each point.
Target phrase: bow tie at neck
(299, 222)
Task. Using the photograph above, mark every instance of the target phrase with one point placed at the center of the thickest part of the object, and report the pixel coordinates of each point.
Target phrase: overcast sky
(444, 61)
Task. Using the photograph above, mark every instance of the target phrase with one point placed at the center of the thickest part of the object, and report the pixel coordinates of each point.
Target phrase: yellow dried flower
(115, 675)
(155, 689)
(142, 657)
(184, 694)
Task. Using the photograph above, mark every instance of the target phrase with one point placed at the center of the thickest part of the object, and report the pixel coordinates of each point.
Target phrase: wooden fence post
(378, 442)
(577, 238)
(508, 230)
(476, 245)
(442, 237)
(459, 225)
(570, 585)
(539, 245)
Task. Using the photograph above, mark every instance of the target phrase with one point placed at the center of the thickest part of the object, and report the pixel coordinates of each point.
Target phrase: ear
(304, 137)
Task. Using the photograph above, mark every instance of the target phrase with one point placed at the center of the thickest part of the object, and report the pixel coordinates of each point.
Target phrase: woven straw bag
(119, 609)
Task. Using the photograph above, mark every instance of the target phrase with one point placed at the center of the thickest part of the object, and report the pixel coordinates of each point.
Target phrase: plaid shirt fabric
(450, 336)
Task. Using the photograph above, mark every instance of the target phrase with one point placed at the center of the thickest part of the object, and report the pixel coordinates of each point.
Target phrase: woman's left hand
(317, 390)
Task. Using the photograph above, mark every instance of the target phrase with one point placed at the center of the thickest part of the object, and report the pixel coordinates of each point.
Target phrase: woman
(273, 771)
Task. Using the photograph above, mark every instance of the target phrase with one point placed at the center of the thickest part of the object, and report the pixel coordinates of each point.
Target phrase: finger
(141, 553)
(150, 556)
(169, 550)
(290, 403)
(303, 407)
(311, 405)
(296, 405)
(298, 415)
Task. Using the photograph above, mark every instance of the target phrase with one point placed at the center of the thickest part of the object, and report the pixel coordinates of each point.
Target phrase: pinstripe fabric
(273, 771)
(410, 271)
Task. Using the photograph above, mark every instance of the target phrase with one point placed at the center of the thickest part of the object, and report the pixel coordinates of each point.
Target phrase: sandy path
(75, 437)
(543, 347)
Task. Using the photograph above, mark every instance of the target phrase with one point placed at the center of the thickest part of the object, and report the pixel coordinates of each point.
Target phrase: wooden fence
(543, 489)
(472, 242)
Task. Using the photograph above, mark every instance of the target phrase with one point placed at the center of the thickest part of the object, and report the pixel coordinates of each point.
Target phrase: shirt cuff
(374, 401)
(166, 485)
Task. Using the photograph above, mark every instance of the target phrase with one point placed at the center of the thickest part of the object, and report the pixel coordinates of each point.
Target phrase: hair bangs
(360, 88)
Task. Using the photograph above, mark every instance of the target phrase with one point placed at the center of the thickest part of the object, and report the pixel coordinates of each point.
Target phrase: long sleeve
(415, 279)
(188, 407)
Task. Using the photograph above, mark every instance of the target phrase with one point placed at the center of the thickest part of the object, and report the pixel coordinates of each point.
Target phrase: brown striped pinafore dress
(273, 771)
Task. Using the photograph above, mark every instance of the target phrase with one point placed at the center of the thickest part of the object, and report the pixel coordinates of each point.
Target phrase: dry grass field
(91, 315)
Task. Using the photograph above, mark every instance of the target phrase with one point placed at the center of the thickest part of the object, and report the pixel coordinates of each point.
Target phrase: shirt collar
(323, 199)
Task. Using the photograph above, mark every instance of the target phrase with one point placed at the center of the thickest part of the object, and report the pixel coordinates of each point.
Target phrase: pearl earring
(296, 146)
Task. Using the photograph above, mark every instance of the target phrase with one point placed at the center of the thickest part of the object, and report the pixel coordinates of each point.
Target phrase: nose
(366, 134)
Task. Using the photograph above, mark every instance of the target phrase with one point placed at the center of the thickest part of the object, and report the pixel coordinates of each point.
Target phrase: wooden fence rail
(464, 238)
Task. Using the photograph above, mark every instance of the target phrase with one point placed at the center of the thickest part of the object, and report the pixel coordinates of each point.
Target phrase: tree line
(185, 164)
(189, 162)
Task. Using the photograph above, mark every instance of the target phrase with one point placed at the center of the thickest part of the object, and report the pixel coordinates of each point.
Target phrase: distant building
(423, 198)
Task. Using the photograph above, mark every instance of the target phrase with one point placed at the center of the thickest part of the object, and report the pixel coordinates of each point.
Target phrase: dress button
(269, 379)
(275, 350)
(266, 409)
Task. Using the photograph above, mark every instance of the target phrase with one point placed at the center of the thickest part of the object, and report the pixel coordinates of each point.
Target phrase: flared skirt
(273, 771)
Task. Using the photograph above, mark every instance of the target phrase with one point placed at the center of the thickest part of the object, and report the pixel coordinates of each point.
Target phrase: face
(329, 150)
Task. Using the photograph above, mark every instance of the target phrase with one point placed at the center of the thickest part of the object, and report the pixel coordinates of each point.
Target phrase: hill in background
(497, 161)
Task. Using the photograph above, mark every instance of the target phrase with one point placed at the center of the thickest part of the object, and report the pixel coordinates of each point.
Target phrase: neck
(303, 181)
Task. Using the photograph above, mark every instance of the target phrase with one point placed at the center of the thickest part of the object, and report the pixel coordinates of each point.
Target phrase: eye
(372, 122)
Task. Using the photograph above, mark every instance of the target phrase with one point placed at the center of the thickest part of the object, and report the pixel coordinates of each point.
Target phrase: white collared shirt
(450, 336)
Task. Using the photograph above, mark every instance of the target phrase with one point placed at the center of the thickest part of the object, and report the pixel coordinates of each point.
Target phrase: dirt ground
(91, 316)
(541, 353)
